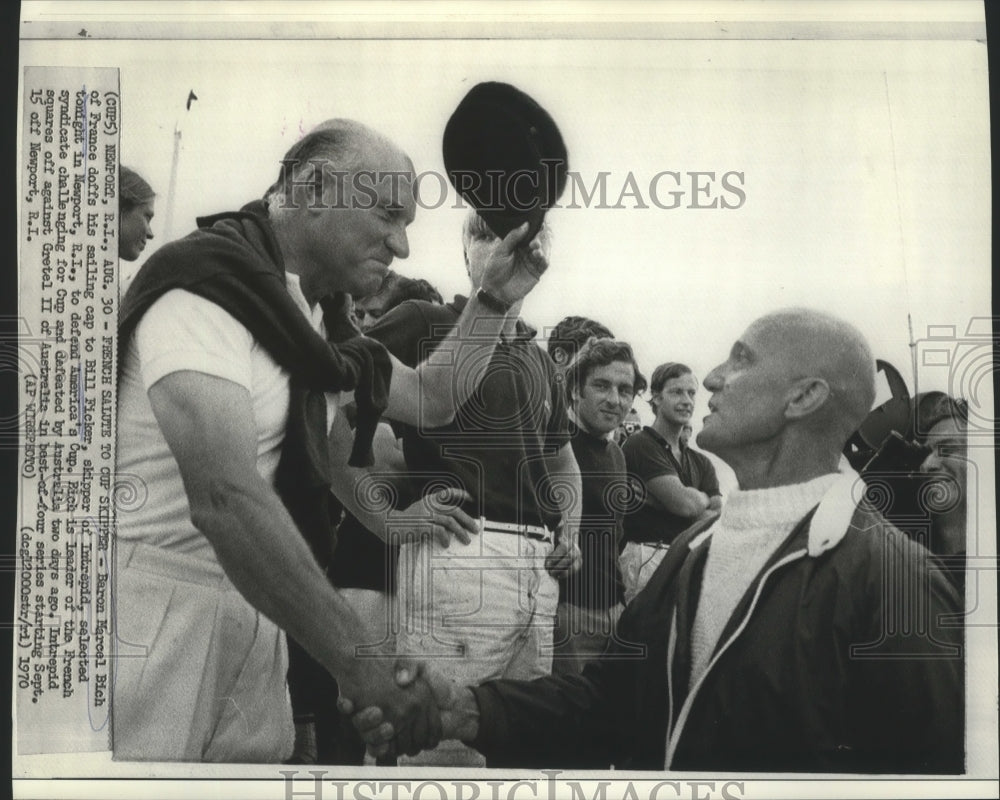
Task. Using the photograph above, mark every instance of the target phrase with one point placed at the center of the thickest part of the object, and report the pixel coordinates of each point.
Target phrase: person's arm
(387, 450)
(648, 463)
(564, 470)
(368, 498)
(710, 486)
(208, 424)
(675, 497)
(428, 395)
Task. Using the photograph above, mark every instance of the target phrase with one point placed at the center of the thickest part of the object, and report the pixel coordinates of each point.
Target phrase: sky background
(865, 168)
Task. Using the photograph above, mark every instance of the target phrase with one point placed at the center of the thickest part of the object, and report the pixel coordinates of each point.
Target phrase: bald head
(796, 384)
(818, 345)
(340, 146)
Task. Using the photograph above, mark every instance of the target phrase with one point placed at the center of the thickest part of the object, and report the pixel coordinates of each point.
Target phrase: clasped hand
(452, 716)
(399, 697)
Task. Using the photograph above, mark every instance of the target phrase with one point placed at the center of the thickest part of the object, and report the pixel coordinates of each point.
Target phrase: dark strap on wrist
(493, 303)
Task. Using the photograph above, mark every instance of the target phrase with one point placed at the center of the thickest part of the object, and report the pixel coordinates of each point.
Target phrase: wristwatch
(492, 302)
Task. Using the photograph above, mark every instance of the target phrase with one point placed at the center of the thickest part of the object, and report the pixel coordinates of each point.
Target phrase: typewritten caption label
(67, 353)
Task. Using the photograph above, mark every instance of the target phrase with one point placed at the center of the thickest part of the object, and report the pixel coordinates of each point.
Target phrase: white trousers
(638, 561)
(200, 675)
(476, 612)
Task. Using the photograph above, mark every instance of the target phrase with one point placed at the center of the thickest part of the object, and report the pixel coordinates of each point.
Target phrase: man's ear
(574, 394)
(316, 190)
(805, 397)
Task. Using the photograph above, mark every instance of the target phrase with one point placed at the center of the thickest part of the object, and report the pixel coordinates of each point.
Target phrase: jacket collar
(830, 519)
(834, 512)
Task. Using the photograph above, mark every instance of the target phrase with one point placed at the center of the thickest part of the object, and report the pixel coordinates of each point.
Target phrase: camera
(886, 452)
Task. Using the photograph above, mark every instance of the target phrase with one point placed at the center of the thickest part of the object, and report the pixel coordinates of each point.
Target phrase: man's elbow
(213, 502)
(692, 506)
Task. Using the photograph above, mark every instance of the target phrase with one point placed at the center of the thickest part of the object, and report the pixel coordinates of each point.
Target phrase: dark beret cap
(505, 156)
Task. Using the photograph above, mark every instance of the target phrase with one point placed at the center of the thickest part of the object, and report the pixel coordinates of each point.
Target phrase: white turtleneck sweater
(751, 527)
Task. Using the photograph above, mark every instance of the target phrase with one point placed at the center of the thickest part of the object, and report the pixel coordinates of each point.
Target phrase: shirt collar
(659, 438)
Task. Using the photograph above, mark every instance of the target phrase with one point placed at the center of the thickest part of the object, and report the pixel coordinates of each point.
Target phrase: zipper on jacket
(671, 647)
(674, 733)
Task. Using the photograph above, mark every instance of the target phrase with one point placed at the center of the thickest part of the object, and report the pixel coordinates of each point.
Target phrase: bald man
(797, 632)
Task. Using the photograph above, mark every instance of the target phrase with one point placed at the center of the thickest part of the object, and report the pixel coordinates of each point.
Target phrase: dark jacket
(839, 658)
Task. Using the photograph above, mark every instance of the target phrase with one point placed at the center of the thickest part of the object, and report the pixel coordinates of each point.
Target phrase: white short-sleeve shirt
(182, 331)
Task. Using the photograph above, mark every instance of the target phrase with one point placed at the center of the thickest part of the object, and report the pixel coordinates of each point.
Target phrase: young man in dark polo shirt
(487, 609)
(679, 484)
(601, 383)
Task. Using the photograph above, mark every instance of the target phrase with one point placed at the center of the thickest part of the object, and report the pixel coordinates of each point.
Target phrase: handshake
(421, 709)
